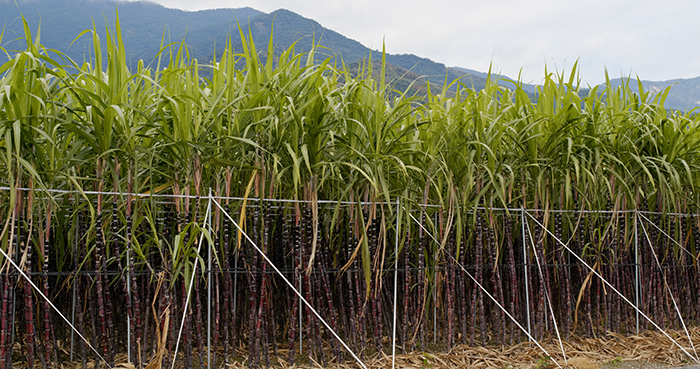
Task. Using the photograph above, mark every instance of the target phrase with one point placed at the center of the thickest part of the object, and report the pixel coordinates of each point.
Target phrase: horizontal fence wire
(136, 196)
(387, 271)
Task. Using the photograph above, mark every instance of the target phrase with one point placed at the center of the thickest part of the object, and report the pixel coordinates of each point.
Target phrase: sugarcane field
(275, 209)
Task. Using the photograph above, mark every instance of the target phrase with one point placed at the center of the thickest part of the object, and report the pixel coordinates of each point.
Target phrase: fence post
(525, 265)
(235, 283)
(435, 273)
(396, 278)
(72, 319)
(128, 287)
(209, 282)
(636, 269)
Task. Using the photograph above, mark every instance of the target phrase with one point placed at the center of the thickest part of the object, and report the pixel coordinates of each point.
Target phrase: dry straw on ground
(650, 349)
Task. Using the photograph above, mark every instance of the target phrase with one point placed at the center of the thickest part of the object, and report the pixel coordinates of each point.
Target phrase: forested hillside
(146, 26)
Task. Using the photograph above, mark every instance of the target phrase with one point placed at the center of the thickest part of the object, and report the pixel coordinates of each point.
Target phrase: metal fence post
(396, 278)
(637, 291)
(209, 284)
(525, 265)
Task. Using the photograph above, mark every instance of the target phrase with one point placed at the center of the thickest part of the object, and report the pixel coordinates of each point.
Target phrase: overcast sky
(653, 39)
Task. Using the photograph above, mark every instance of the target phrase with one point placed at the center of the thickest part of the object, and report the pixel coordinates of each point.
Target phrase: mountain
(289, 28)
(684, 94)
(503, 80)
(146, 26)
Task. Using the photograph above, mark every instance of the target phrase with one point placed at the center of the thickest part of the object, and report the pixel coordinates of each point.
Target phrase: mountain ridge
(147, 25)
(684, 94)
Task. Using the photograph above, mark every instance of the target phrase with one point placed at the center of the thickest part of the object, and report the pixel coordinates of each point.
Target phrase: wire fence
(365, 278)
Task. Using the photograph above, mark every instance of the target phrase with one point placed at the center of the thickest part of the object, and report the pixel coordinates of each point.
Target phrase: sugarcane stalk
(80, 317)
(658, 291)
(462, 295)
(675, 277)
(514, 293)
(260, 320)
(491, 271)
(147, 289)
(544, 286)
(165, 303)
(254, 331)
(696, 239)
(614, 260)
(421, 290)
(48, 344)
(187, 316)
(264, 318)
(329, 300)
(198, 319)
(477, 294)
(90, 297)
(361, 308)
(313, 288)
(374, 290)
(25, 244)
(499, 323)
(228, 286)
(406, 291)
(5, 333)
(294, 241)
(106, 323)
(449, 291)
(686, 279)
(270, 327)
(565, 281)
(99, 242)
(217, 314)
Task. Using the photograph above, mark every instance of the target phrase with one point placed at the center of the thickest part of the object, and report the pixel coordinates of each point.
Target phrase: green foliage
(616, 361)
(296, 126)
(543, 362)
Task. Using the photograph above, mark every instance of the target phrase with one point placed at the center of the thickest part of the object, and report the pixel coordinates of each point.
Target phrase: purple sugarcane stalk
(544, 279)
(48, 344)
(361, 308)
(508, 230)
(462, 291)
(79, 302)
(5, 334)
(420, 300)
(253, 299)
(28, 305)
(406, 290)
(498, 285)
(565, 281)
(479, 278)
(99, 243)
(217, 313)
(296, 254)
(374, 291)
(329, 300)
(449, 292)
(228, 287)
(696, 238)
